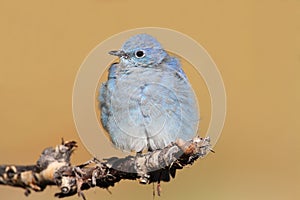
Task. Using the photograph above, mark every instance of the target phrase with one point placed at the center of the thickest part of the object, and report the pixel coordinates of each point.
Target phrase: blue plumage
(147, 101)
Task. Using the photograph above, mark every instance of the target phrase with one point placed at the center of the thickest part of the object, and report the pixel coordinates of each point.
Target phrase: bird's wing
(104, 96)
(174, 64)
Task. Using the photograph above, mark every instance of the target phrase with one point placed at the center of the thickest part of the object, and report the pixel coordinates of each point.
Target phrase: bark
(54, 168)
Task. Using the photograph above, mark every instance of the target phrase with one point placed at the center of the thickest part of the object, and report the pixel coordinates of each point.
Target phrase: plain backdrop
(255, 44)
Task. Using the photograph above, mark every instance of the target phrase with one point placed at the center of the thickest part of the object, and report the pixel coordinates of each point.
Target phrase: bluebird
(147, 102)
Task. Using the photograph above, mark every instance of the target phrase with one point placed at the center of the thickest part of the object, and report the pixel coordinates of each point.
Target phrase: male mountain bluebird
(147, 101)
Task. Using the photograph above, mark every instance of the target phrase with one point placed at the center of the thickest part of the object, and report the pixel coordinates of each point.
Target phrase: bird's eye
(139, 54)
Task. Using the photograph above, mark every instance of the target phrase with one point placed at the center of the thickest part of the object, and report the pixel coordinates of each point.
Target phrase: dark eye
(139, 54)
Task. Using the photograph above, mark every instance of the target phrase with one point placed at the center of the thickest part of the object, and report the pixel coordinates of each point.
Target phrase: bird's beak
(119, 53)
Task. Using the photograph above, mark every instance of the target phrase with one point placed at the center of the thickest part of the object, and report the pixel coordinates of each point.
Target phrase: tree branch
(54, 168)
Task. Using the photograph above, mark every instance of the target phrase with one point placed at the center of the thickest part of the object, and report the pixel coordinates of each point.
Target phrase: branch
(54, 168)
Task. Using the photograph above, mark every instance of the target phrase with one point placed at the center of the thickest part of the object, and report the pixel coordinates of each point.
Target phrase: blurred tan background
(256, 45)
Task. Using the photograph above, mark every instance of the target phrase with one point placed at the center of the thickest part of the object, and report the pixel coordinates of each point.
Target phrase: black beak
(119, 53)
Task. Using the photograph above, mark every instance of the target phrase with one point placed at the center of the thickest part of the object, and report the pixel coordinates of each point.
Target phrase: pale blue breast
(148, 107)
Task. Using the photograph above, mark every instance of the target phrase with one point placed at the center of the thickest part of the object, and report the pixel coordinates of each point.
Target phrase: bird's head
(141, 50)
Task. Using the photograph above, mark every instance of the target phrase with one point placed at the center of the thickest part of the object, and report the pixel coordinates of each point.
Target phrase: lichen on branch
(54, 168)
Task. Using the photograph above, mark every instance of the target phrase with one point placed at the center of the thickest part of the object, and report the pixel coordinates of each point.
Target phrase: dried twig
(54, 168)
